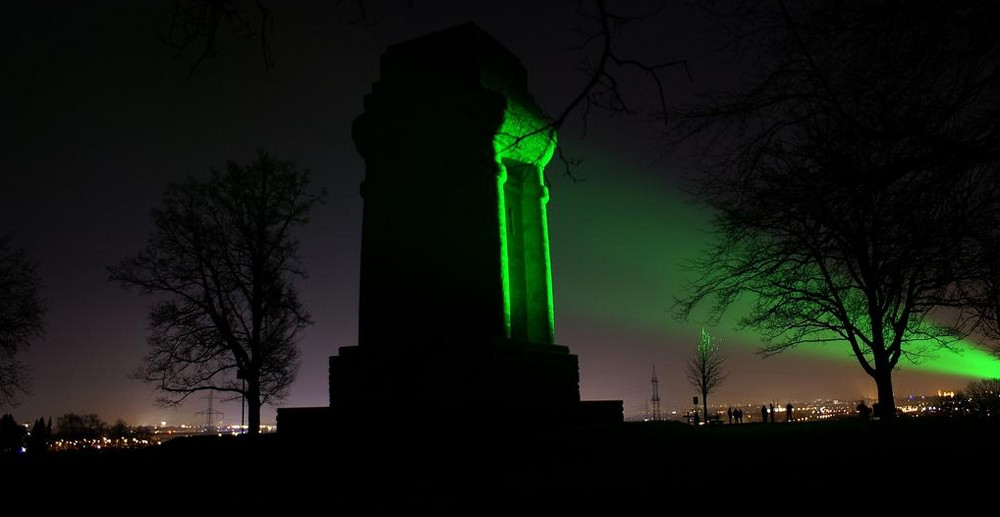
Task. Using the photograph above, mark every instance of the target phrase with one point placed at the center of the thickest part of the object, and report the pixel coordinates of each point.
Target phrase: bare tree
(706, 369)
(846, 174)
(72, 426)
(21, 311)
(984, 398)
(221, 264)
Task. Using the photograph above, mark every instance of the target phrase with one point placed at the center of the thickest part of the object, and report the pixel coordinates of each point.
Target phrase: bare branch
(21, 311)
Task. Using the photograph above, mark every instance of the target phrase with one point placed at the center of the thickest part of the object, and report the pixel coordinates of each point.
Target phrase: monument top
(464, 50)
(452, 67)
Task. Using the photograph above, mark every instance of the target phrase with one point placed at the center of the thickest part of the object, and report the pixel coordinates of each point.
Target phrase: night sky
(99, 116)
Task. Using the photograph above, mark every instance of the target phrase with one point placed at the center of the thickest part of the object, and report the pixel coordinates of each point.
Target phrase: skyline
(97, 136)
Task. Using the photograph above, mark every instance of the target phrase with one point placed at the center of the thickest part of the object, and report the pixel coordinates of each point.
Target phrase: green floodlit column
(504, 266)
(523, 147)
(543, 201)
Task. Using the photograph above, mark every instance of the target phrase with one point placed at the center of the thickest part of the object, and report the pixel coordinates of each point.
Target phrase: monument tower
(456, 306)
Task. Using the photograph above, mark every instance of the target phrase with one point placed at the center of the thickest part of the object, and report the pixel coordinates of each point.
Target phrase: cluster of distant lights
(264, 428)
(160, 434)
(835, 408)
(187, 429)
(100, 443)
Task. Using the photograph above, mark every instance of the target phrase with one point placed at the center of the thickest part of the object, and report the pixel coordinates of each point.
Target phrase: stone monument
(456, 306)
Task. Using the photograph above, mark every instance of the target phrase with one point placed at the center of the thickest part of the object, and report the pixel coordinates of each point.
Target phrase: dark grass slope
(483, 469)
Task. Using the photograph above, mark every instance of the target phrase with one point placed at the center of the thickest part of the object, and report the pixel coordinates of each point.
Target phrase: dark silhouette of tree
(983, 398)
(846, 173)
(38, 438)
(11, 435)
(706, 369)
(72, 426)
(221, 263)
(120, 429)
(21, 312)
(120, 432)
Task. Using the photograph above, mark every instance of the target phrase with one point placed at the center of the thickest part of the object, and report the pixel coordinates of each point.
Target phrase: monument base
(436, 381)
(500, 383)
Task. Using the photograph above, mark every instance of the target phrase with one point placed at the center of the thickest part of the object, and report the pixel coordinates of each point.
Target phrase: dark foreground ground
(478, 470)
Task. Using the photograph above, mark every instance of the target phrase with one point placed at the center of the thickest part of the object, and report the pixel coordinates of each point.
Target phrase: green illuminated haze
(638, 231)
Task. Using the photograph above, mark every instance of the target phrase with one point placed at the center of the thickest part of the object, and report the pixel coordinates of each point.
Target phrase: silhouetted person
(730, 413)
(763, 414)
(697, 418)
(864, 411)
(788, 412)
(739, 416)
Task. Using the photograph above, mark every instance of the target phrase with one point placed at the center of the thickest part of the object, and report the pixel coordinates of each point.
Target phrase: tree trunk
(253, 405)
(704, 405)
(886, 400)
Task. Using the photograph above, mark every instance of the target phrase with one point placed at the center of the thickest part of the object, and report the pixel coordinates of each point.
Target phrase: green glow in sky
(966, 360)
(636, 232)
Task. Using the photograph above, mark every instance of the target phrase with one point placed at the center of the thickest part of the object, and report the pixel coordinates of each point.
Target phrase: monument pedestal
(492, 380)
